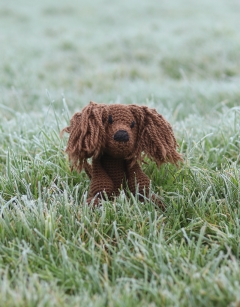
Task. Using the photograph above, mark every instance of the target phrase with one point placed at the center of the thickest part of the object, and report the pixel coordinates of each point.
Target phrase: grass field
(180, 57)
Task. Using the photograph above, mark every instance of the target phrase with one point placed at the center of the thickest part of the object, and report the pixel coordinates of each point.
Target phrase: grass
(180, 57)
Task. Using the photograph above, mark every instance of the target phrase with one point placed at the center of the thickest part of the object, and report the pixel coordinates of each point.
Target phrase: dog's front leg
(101, 184)
(139, 181)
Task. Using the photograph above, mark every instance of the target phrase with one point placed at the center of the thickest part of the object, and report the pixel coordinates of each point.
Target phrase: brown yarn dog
(115, 136)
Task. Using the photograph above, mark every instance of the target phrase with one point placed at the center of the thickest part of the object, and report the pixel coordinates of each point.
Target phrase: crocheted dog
(115, 136)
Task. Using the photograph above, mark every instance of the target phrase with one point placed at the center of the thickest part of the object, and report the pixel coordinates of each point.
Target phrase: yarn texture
(117, 137)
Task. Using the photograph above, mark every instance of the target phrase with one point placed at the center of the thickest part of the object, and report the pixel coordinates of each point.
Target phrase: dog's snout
(121, 136)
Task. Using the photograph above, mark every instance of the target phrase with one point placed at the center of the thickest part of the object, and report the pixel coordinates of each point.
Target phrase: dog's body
(115, 137)
(115, 173)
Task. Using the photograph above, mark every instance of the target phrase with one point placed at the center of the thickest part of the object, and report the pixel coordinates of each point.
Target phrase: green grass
(180, 57)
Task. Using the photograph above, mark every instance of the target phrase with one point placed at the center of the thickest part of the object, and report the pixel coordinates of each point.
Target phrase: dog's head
(121, 131)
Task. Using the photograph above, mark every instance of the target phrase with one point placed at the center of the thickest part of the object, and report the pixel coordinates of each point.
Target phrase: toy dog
(117, 137)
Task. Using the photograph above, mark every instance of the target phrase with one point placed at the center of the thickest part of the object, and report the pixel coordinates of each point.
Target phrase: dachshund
(117, 137)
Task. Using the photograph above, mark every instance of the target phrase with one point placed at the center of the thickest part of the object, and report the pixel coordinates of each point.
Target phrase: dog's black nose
(121, 136)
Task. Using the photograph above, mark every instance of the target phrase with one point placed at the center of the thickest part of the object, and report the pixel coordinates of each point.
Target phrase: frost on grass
(178, 57)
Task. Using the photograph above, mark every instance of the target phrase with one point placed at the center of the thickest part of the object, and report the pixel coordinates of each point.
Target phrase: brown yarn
(115, 137)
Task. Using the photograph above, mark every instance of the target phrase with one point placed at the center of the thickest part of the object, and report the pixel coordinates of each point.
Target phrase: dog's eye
(132, 124)
(110, 120)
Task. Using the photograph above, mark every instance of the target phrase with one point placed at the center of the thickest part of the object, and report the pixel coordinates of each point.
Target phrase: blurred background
(182, 56)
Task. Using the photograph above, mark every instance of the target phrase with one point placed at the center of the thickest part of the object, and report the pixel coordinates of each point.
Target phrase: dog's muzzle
(121, 136)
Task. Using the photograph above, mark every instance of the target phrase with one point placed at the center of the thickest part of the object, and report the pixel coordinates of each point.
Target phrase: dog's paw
(94, 201)
(158, 202)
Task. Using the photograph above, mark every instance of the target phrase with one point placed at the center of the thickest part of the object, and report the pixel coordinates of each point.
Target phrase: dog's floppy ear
(87, 134)
(155, 136)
